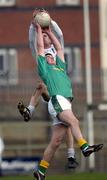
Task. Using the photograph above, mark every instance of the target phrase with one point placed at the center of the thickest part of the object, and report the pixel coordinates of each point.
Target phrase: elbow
(59, 48)
(40, 45)
(61, 35)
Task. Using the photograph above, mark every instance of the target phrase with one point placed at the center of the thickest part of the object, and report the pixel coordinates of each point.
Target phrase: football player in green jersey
(52, 71)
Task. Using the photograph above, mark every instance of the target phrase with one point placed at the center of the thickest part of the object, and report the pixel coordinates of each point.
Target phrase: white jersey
(32, 39)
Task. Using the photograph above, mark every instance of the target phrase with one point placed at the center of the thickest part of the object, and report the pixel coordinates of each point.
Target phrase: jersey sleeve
(32, 41)
(58, 32)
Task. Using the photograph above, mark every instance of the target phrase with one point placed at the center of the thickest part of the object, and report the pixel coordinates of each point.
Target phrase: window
(3, 62)
(8, 67)
(74, 67)
(7, 2)
(68, 2)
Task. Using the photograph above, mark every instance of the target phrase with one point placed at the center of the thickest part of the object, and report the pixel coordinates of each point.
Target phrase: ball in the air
(43, 19)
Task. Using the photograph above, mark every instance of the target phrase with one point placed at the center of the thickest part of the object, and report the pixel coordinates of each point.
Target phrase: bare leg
(69, 117)
(41, 90)
(25, 111)
(70, 144)
(72, 162)
(58, 133)
(35, 98)
(69, 139)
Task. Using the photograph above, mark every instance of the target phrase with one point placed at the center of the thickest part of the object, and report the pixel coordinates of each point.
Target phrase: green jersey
(55, 77)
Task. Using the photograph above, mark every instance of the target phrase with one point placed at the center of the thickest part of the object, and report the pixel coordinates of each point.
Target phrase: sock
(83, 144)
(43, 166)
(31, 108)
(71, 153)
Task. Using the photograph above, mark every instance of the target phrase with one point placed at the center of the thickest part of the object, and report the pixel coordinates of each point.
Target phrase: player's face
(46, 39)
(50, 59)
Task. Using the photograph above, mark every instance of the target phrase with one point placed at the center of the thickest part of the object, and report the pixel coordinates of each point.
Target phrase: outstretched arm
(58, 32)
(32, 40)
(33, 35)
(56, 43)
(40, 43)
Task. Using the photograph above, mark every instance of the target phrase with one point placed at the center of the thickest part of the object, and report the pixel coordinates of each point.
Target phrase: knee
(56, 142)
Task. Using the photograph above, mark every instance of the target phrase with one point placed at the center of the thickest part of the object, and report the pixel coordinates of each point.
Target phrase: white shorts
(56, 105)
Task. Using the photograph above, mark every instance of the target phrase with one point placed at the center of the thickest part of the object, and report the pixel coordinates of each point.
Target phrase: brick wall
(14, 25)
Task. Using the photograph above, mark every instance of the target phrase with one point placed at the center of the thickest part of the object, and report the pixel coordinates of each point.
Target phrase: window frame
(74, 61)
(68, 2)
(9, 3)
(3, 53)
(9, 75)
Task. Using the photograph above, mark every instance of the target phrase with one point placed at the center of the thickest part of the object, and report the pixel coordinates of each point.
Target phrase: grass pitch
(77, 176)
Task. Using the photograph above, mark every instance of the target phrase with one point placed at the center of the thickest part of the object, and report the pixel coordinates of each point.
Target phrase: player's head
(47, 41)
(50, 52)
(50, 58)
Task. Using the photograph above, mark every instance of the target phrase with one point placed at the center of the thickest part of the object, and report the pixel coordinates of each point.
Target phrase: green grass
(78, 176)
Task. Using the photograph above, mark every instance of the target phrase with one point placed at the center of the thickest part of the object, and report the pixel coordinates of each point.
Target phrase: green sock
(84, 146)
(43, 166)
